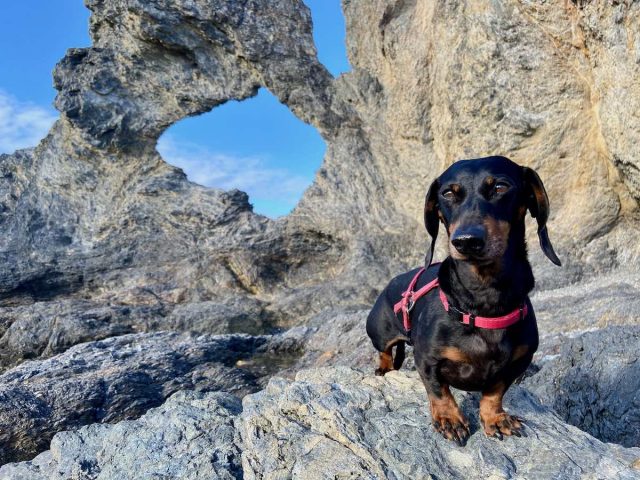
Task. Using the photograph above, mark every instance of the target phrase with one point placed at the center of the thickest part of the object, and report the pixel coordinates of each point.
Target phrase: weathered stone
(335, 338)
(338, 423)
(119, 378)
(100, 237)
(593, 382)
(191, 436)
(329, 423)
(45, 328)
(523, 80)
(598, 302)
(94, 217)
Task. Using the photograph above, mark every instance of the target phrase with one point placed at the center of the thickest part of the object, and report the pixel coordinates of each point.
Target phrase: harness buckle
(521, 312)
(410, 305)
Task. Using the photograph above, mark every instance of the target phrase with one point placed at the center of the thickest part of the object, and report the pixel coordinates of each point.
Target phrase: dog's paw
(452, 427)
(502, 424)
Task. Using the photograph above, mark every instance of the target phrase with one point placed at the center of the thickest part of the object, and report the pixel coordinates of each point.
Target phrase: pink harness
(409, 299)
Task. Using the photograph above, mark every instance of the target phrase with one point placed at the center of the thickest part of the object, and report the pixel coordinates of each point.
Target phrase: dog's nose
(470, 239)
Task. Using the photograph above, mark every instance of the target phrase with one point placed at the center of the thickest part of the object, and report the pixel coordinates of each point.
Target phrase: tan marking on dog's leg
(447, 417)
(519, 352)
(386, 362)
(495, 420)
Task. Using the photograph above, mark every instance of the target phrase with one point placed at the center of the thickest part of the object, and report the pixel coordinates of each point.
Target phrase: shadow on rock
(594, 383)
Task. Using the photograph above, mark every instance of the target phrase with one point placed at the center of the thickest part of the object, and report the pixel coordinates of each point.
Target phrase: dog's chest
(473, 361)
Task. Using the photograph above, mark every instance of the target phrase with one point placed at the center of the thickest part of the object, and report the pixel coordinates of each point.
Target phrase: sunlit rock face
(328, 423)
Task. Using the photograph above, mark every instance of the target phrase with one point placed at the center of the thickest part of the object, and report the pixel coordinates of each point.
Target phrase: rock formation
(329, 423)
(593, 382)
(191, 436)
(121, 378)
(94, 214)
(101, 238)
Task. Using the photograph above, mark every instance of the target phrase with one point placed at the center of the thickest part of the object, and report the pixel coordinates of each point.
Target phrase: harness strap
(409, 299)
(487, 322)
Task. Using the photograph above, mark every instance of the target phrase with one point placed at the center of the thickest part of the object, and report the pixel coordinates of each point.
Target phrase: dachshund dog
(477, 331)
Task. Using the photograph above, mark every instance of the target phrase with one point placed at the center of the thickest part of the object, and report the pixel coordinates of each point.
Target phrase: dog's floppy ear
(431, 220)
(537, 202)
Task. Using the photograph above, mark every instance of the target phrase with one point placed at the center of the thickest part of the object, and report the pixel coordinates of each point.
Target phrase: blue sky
(256, 145)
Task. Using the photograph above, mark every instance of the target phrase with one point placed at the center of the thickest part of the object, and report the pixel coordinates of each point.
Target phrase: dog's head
(482, 204)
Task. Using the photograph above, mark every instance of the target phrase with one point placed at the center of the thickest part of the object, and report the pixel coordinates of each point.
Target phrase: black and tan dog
(477, 331)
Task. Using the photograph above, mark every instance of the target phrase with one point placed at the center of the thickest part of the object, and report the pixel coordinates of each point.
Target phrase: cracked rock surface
(191, 436)
(593, 382)
(120, 378)
(328, 423)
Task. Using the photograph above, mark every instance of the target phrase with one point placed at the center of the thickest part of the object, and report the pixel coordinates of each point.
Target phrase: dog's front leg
(495, 420)
(447, 418)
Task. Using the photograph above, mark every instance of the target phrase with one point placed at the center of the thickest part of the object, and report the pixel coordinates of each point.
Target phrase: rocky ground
(359, 425)
(137, 308)
(328, 423)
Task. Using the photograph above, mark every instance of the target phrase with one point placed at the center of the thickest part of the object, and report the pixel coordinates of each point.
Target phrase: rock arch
(151, 65)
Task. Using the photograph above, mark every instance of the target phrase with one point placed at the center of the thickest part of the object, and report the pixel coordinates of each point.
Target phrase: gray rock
(593, 382)
(121, 378)
(95, 218)
(339, 423)
(328, 423)
(598, 302)
(335, 338)
(45, 328)
(192, 435)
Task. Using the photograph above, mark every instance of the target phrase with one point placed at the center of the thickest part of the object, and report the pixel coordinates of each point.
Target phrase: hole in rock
(256, 145)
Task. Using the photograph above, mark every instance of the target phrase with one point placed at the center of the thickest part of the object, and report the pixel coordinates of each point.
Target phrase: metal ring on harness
(410, 305)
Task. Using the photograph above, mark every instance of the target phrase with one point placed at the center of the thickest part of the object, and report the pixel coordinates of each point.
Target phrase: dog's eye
(449, 194)
(501, 187)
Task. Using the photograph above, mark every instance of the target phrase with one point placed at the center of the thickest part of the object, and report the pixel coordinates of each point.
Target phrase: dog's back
(384, 327)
